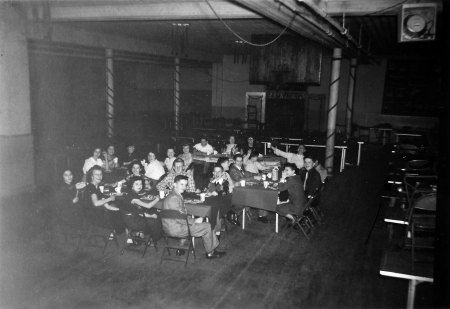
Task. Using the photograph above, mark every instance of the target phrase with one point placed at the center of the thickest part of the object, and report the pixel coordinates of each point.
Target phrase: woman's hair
(131, 167)
(94, 168)
(133, 179)
(186, 145)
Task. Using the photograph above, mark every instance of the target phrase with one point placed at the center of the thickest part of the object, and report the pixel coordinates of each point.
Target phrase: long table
(212, 206)
(256, 196)
(397, 264)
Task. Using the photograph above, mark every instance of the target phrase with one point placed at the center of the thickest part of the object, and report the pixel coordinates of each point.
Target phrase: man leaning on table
(178, 228)
(238, 173)
(296, 158)
(203, 148)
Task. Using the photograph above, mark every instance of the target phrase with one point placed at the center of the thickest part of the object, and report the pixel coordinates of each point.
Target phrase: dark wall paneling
(68, 108)
(291, 59)
(412, 87)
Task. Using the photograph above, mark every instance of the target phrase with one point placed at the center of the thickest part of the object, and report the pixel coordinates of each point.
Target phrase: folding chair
(98, 229)
(69, 226)
(312, 207)
(135, 228)
(425, 222)
(303, 218)
(176, 215)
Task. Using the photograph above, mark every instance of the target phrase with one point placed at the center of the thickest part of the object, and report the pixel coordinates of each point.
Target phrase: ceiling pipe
(335, 24)
(330, 32)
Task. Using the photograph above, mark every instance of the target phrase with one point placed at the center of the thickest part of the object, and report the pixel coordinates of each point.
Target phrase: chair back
(314, 196)
(426, 202)
(419, 165)
(175, 215)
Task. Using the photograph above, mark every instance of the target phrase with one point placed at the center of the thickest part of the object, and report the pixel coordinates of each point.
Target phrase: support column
(109, 93)
(350, 97)
(16, 137)
(332, 108)
(176, 92)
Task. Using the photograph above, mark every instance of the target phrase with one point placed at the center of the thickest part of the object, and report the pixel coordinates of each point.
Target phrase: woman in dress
(154, 169)
(232, 147)
(90, 162)
(111, 161)
(67, 198)
(131, 206)
(97, 205)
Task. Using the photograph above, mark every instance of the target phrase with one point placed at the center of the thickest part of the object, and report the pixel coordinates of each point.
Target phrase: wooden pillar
(176, 92)
(109, 93)
(332, 108)
(350, 97)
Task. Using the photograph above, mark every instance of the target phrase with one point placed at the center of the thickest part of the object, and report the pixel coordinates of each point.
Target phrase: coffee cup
(242, 183)
(263, 176)
(101, 188)
(269, 175)
(118, 188)
(116, 160)
(268, 145)
(202, 197)
(266, 184)
(161, 194)
(215, 152)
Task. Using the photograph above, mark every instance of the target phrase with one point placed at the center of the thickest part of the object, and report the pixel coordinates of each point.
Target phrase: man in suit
(179, 228)
(310, 176)
(238, 173)
(294, 185)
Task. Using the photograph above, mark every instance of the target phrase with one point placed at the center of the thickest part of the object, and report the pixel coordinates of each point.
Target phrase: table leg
(276, 222)
(265, 148)
(342, 157)
(243, 218)
(345, 156)
(411, 293)
(383, 137)
(359, 153)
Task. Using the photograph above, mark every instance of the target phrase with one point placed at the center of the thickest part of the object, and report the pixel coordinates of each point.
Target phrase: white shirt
(230, 147)
(89, 163)
(154, 170)
(169, 162)
(295, 158)
(208, 148)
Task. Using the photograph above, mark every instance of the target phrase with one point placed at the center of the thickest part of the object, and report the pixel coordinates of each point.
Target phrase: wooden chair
(424, 222)
(133, 232)
(176, 215)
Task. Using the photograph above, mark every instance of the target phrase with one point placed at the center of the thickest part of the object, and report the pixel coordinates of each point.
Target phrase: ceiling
(151, 21)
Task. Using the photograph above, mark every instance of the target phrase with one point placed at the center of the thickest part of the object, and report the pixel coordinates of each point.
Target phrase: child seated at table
(219, 184)
(168, 162)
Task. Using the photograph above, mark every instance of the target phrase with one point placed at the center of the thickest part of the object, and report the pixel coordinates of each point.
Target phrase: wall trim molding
(16, 135)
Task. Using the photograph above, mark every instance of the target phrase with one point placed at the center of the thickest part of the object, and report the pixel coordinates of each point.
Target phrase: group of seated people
(300, 177)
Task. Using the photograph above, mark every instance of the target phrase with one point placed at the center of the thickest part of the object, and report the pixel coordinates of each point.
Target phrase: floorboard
(262, 269)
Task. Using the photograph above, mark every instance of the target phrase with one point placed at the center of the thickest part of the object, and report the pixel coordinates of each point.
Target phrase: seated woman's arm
(97, 203)
(145, 205)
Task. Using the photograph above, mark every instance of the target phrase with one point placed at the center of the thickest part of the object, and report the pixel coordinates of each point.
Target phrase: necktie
(304, 184)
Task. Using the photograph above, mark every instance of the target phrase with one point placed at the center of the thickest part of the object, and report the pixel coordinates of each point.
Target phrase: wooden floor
(262, 269)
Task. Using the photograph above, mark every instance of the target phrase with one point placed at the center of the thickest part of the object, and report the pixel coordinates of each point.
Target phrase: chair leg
(301, 228)
(412, 242)
(309, 223)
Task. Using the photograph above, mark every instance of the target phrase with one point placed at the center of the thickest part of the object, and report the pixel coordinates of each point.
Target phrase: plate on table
(193, 201)
(250, 183)
(149, 198)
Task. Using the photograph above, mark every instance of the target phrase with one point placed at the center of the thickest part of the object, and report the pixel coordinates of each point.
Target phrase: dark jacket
(238, 175)
(312, 182)
(294, 186)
